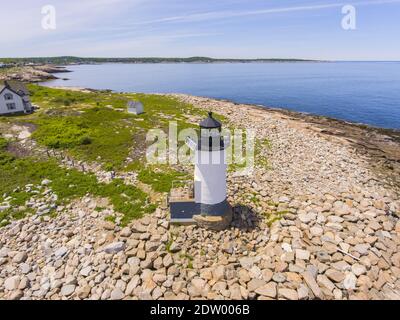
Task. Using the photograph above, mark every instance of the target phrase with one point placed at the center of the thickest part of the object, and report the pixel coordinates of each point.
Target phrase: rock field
(317, 223)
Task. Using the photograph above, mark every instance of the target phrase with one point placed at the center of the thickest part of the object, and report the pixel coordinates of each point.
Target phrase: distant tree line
(66, 60)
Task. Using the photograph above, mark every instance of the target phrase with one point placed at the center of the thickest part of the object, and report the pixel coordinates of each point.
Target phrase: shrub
(62, 133)
(86, 140)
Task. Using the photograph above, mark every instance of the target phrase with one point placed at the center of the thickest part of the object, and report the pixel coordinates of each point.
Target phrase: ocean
(361, 92)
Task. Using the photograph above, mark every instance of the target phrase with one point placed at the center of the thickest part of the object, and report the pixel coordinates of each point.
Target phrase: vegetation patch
(111, 218)
(188, 259)
(98, 134)
(241, 159)
(262, 145)
(275, 216)
(161, 180)
(172, 238)
(68, 184)
(95, 126)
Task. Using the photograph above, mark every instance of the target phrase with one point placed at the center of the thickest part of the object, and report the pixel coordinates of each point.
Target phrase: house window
(8, 96)
(11, 106)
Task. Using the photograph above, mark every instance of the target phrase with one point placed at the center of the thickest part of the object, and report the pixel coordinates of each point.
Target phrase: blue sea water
(362, 92)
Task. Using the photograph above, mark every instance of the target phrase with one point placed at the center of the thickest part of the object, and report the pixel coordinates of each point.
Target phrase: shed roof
(134, 104)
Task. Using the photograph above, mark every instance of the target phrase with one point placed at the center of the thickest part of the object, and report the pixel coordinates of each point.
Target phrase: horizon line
(199, 57)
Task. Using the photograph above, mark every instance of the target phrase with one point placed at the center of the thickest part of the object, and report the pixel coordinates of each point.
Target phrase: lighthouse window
(210, 133)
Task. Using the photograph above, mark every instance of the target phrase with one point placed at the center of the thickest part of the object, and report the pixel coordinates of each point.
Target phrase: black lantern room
(210, 134)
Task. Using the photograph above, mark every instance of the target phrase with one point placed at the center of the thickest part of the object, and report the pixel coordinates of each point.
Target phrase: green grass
(95, 126)
(169, 244)
(110, 218)
(134, 166)
(68, 184)
(172, 238)
(98, 134)
(254, 199)
(159, 177)
(189, 259)
(132, 202)
(20, 197)
(162, 179)
(5, 157)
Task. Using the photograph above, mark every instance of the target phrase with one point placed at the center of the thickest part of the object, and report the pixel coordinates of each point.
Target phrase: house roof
(210, 122)
(133, 104)
(16, 86)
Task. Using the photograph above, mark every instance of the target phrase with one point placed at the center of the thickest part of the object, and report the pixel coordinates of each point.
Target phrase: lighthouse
(210, 168)
(207, 204)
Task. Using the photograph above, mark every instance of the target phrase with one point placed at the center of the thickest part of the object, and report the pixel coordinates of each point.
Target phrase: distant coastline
(70, 60)
(38, 69)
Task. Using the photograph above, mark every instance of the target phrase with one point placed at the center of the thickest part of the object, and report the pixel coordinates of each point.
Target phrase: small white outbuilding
(135, 107)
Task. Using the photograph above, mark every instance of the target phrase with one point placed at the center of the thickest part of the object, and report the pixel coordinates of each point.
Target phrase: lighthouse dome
(210, 122)
(210, 134)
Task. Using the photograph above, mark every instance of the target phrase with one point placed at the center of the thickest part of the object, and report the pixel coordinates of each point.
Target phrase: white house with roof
(14, 98)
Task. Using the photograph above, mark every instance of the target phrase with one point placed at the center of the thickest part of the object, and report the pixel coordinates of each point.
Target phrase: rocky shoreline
(380, 145)
(32, 74)
(321, 221)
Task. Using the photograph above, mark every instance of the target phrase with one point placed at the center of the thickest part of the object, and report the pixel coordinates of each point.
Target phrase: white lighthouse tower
(207, 204)
(210, 168)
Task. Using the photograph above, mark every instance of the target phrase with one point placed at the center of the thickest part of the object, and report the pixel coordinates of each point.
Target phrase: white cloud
(214, 15)
(23, 21)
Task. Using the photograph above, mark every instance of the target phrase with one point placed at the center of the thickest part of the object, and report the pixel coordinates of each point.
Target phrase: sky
(214, 28)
